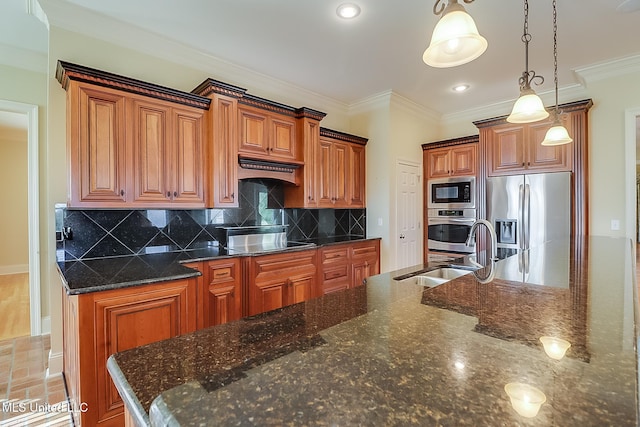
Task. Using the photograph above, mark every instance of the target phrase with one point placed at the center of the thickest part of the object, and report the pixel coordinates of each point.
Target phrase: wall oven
(452, 193)
(448, 230)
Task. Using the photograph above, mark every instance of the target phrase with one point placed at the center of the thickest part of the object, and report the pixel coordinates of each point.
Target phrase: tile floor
(27, 398)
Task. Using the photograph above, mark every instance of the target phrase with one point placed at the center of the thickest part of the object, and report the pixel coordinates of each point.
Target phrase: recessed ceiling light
(348, 10)
(460, 88)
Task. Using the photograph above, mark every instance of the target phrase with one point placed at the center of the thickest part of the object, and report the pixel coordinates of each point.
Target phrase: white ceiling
(304, 43)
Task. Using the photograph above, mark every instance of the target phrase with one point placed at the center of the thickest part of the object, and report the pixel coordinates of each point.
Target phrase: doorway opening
(27, 115)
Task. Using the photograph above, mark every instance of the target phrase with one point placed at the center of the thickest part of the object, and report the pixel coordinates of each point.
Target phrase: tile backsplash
(101, 233)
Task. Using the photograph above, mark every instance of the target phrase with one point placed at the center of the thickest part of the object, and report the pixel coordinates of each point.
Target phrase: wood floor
(14, 306)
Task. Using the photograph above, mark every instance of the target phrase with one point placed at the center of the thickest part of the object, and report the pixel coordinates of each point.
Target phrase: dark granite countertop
(101, 274)
(393, 352)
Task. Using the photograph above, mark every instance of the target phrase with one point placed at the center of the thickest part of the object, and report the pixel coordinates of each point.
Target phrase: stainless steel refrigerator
(527, 211)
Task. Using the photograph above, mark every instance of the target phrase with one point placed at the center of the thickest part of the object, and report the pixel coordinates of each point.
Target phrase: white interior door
(408, 214)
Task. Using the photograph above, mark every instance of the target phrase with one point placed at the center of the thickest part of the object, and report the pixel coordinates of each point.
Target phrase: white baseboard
(55, 364)
(14, 269)
(45, 326)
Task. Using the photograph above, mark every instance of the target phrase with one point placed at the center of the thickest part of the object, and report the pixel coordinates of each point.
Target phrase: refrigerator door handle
(521, 216)
(527, 215)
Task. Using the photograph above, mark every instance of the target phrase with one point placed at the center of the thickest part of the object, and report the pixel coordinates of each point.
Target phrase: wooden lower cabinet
(365, 261)
(346, 265)
(219, 291)
(97, 325)
(276, 280)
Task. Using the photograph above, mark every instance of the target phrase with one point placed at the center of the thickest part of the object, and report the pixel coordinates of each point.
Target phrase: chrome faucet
(492, 232)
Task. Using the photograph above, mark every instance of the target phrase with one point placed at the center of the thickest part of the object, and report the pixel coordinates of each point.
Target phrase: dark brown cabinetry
(99, 324)
(455, 161)
(516, 148)
(277, 280)
(267, 135)
(346, 265)
(219, 291)
(132, 144)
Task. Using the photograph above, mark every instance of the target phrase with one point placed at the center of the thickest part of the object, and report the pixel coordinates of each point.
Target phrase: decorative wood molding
(210, 86)
(265, 104)
(473, 139)
(67, 72)
(569, 107)
(341, 136)
(304, 112)
(266, 165)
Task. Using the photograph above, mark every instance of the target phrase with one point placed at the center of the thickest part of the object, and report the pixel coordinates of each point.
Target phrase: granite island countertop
(393, 352)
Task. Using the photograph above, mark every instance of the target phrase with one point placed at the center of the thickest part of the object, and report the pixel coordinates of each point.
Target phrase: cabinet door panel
(253, 132)
(100, 146)
(150, 152)
(225, 152)
(189, 158)
(270, 296)
(133, 319)
(546, 158)
(357, 176)
(325, 192)
(223, 299)
(283, 138)
(301, 289)
(507, 147)
(340, 163)
(463, 160)
(438, 163)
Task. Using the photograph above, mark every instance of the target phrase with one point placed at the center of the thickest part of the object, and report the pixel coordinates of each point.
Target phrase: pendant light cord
(526, 37)
(555, 52)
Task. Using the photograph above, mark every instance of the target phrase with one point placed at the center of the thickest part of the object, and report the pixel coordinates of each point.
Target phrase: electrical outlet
(380, 221)
(615, 224)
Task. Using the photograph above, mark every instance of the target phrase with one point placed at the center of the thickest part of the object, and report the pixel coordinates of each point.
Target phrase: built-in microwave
(452, 193)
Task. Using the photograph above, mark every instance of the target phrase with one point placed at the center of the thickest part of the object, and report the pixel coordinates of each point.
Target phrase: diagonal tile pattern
(108, 233)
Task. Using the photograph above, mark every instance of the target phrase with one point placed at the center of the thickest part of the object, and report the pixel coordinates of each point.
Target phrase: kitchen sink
(437, 277)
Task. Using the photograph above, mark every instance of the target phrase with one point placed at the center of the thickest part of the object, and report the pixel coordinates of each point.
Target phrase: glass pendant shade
(455, 40)
(528, 108)
(557, 135)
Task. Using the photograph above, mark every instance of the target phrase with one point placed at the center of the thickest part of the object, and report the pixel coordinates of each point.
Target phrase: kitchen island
(394, 352)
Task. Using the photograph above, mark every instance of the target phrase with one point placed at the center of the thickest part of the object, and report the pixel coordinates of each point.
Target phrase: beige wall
(14, 245)
(28, 87)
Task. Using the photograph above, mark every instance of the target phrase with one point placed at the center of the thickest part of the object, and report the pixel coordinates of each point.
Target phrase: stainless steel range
(259, 239)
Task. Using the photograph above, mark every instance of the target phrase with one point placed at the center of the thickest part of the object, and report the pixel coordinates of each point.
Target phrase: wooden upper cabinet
(341, 170)
(97, 146)
(266, 134)
(515, 148)
(132, 144)
(455, 161)
(224, 170)
(168, 154)
(358, 176)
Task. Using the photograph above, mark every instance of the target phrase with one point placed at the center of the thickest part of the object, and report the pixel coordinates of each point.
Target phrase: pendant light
(528, 108)
(455, 39)
(557, 134)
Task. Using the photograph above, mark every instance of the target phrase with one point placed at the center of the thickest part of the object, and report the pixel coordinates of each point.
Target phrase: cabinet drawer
(365, 251)
(222, 272)
(339, 272)
(330, 256)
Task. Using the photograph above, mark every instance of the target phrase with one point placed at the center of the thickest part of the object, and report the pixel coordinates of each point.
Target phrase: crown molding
(414, 108)
(24, 59)
(570, 93)
(373, 102)
(608, 69)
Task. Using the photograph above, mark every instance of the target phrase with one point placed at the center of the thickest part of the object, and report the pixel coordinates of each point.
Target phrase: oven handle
(450, 220)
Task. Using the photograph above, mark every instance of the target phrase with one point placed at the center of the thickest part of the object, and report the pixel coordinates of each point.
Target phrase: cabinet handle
(175, 194)
(122, 192)
(522, 164)
(169, 194)
(309, 197)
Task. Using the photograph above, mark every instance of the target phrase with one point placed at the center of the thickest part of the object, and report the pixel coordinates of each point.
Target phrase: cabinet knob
(122, 192)
(309, 197)
(175, 194)
(169, 194)
(232, 195)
